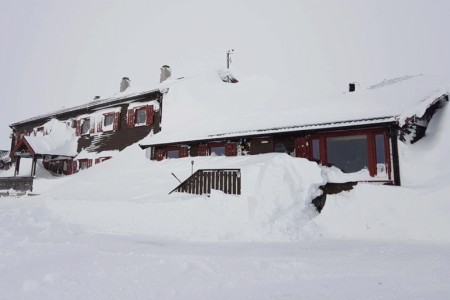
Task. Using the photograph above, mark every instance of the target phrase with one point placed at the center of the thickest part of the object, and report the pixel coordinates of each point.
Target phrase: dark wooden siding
(16, 183)
(120, 139)
(110, 140)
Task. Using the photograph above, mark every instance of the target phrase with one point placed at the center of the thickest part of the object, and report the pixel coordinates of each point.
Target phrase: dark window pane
(280, 148)
(348, 153)
(218, 151)
(379, 142)
(109, 119)
(173, 154)
(141, 116)
(316, 150)
(85, 127)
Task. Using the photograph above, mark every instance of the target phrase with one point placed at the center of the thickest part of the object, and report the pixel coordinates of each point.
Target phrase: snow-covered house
(75, 138)
(356, 131)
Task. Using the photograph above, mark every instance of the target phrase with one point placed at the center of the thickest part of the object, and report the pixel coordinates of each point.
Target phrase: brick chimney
(166, 72)
(124, 84)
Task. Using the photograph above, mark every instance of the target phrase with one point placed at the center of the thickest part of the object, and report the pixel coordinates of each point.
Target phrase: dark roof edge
(94, 104)
(271, 131)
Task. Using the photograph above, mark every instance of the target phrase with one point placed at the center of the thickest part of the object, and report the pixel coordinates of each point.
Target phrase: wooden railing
(22, 184)
(205, 180)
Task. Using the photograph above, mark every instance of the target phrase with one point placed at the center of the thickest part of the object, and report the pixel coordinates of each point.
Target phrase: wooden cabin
(363, 142)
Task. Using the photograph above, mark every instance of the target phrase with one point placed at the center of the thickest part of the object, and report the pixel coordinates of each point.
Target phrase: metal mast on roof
(229, 52)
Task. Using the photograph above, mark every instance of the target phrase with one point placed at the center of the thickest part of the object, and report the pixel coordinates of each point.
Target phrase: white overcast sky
(56, 54)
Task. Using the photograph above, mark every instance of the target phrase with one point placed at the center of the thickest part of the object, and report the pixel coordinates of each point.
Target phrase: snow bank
(374, 212)
(129, 195)
(275, 203)
(418, 210)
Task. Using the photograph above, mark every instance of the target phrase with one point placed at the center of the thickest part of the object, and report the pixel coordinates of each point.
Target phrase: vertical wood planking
(239, 183)
(203, 181)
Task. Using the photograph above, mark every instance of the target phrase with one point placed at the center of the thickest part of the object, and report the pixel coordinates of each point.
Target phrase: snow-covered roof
(60, 140)
(121, 97)
(4, 156)
(204, 107)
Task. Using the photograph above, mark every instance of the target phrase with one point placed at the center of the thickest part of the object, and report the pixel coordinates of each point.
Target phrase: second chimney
(124, 84)
(351, 87)
(166, 72)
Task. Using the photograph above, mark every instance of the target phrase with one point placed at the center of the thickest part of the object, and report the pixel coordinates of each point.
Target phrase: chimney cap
(166, 66)
(352, 87)
(125, 78)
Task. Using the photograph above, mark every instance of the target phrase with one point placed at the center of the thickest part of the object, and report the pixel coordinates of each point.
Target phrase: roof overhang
(94, 105)
(340, 125)
(24, 149)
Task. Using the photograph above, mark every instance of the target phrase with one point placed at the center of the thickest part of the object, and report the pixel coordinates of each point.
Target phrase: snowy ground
(113, 232)
(41, 261)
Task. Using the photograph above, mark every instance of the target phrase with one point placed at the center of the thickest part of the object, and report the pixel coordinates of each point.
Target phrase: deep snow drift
(113, 232)
(129, 195)
(417, 210)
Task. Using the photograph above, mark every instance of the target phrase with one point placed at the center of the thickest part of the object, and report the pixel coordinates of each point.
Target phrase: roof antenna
(229, 52)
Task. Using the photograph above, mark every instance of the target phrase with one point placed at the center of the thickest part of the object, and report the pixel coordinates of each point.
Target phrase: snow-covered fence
(22, 184)
(205, 180)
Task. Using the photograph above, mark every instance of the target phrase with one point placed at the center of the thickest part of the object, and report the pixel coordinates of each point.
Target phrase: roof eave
(391, 120)
(101, 103)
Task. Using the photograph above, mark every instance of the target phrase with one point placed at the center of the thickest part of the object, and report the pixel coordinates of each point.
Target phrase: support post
(17, 168)
(395, 159)
(33, 167)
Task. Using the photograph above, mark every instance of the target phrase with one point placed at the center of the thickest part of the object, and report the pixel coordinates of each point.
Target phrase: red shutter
(159, 154)
(78, 128)
(149, 115)
(74, 166)
(184, 151)
(89, 163)
(202, 150)
(231, 149)
(71, 167)
(97, 160)
(92, 125)
(116, 121)
(131, 116)
(302, 147)
(100, 125)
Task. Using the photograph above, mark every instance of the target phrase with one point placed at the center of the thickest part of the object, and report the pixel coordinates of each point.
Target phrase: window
(85, 126)
(380, 154)
(109, 120)
(83, 165)
(281, 148)
(353, 151)
(173, 154)
(348, 153)
(138, 116)
(218, 150)
(141, 116)
(316, 149)
(379, 145)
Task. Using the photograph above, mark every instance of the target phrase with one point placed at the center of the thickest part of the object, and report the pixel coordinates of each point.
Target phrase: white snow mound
(275, 203)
